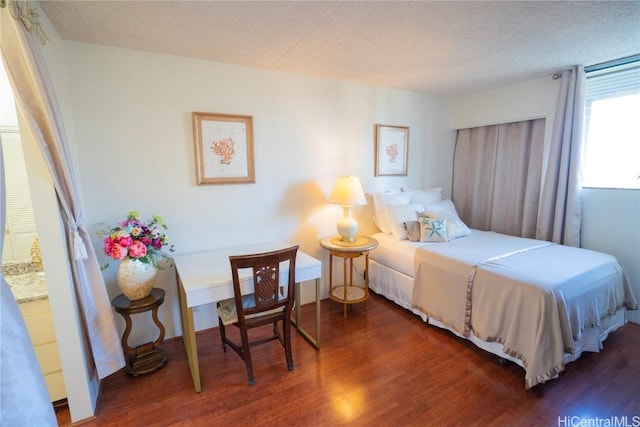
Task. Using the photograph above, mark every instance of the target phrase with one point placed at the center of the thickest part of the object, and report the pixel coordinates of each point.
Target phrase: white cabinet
(37, 316)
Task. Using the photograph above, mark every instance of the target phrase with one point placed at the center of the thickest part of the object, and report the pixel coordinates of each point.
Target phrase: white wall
(133, 127)
(536, 98)
(611, 224)
(523, 101)
(533, 99)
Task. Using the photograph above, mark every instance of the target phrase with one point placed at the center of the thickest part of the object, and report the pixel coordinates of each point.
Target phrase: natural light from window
(612, 128)
(612, 157)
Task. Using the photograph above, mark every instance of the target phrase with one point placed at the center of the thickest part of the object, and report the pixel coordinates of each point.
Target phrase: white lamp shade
(347, 191)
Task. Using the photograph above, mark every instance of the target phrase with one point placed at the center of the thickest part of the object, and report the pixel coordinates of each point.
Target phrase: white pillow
(397, 215)
(433, 230)
(446, 210)
(444, 205)
(380, 200)
(430, 195)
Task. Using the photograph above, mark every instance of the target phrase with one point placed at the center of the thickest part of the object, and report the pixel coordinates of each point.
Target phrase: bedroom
(134, 104)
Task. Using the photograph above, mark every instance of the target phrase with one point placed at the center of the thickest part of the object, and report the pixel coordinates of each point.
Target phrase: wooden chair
(270, 303)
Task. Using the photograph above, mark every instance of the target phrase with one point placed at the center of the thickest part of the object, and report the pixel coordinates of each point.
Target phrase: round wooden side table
(348, 293)
(147, 357)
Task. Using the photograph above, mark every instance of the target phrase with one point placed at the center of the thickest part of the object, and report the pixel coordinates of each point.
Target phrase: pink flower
(117, 251)
(137, 249)
(125, 241)
(107, 244)
(157, 243)
(145, 240)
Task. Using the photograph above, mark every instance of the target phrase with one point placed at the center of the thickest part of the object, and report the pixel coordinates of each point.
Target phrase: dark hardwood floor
(384, 367)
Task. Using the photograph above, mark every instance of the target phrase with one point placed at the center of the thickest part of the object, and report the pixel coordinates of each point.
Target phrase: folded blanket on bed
(534, 297)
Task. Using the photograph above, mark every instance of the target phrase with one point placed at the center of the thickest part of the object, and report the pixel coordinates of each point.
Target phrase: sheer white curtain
(496, 176)
(24, 399)
(560, 213)
(36, 99)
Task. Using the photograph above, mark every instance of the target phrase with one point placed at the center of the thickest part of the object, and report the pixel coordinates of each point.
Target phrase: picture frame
(224, 148)
(392, 150)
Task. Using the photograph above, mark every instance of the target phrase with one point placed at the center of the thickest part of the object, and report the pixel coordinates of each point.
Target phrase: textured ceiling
(441, 48)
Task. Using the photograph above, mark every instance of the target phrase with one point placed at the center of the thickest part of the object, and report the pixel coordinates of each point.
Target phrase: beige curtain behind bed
(496, 176)
(498, 180)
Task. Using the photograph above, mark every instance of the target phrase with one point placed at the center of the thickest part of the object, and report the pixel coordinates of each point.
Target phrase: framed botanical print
(224, 148)
(392, 150)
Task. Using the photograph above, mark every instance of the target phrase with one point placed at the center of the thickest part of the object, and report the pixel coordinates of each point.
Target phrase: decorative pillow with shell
(433, 230)
(446, 210)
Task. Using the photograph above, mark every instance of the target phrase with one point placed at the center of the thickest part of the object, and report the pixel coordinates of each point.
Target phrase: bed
(533, 302)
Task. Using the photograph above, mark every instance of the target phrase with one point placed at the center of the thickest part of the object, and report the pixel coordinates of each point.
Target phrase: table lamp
(347, 192)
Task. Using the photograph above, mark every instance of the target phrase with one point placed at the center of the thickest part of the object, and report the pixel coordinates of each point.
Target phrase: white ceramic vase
(135, 278)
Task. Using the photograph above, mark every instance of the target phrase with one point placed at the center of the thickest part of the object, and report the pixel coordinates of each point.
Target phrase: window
(612, 134)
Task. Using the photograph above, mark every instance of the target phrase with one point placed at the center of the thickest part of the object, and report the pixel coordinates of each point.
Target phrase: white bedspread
(534, 297)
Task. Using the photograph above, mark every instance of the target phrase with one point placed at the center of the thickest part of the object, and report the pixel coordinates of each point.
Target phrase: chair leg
(286, 325)
(223, 334)
(276, 333)
(247, 355)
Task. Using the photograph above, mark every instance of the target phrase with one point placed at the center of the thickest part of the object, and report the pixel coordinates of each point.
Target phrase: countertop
(27, 287)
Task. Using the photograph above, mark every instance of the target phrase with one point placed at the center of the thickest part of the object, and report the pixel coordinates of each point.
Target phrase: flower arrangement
(136, 239)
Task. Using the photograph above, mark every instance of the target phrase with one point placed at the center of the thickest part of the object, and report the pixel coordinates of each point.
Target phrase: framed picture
(392, 150)
(224, 148)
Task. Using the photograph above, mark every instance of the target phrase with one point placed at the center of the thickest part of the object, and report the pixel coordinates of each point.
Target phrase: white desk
(205, 277)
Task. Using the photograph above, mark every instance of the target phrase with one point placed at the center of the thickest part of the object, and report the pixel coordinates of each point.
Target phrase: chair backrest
(268, 292)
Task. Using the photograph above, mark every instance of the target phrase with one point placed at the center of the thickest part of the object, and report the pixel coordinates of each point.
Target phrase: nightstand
(347, 292)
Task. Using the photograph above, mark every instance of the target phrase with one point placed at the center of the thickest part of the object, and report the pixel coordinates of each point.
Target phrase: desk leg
(315, 342)
(296, 323)
(318, 313)
(189, 337)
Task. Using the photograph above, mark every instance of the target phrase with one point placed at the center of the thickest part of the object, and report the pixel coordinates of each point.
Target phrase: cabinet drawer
(40, 328)
(39, 322)
(49, 358)
(55, 385)
(35, 307)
